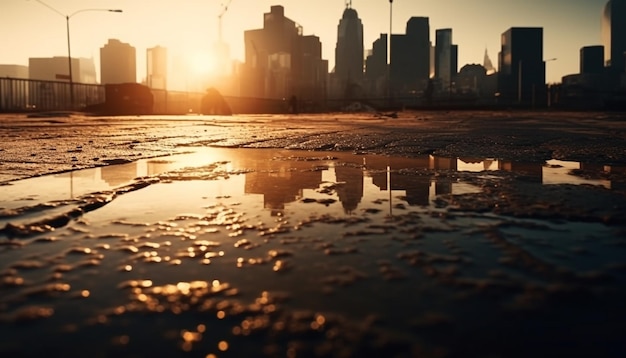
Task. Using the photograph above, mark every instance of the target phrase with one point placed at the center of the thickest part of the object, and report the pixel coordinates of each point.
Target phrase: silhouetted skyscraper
(487, 64)
(592, 59)
(614, 34)
(349, 51)
(410, 57)
(376, 67)
(118, 63)
(280, 62)
(522, 75)
(445, 58)
(156, 76)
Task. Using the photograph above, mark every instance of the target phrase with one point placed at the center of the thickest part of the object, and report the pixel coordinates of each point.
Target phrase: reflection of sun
(202, 63)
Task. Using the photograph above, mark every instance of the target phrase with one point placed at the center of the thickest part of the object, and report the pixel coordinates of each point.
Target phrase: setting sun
(202, 63)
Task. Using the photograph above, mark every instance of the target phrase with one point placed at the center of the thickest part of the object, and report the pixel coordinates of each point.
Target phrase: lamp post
(519, 82)
(389, 52)
(547, 87)
(69, 51)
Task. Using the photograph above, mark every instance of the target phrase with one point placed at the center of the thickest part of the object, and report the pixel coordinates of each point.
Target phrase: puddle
(269, 167)
(231, 252)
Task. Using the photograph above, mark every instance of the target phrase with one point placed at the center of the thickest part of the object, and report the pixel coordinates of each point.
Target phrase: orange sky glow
(188, 28)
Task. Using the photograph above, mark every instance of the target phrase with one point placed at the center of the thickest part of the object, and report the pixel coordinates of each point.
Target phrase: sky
(190, 27)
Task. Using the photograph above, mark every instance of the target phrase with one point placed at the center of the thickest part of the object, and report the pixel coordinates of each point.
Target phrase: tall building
(410, 58)
(349, 51)
(376, 67)
(614, 35)
(49, 95)
(487, 64)
(446, 58)
(522, 75)
(281, 62)
(57, 69)
(592, 59)
(13, 96)
(156, 66)
(118, 63)
(14, 71)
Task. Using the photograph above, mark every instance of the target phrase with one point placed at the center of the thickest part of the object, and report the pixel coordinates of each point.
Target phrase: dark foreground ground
(337, 235)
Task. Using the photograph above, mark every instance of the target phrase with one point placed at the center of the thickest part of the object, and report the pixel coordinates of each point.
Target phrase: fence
(21, 95)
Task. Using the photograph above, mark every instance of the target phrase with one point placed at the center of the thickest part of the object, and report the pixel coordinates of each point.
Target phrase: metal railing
(24, 95)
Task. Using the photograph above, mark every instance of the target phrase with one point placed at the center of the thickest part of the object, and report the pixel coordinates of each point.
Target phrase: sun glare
(202, 63)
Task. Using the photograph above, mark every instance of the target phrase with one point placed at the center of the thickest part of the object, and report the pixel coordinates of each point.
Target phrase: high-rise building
(487, 64)
(49, 95)
(614, 35)
(349, 50)
(410, 58)
(57, 69)
(376, 67)
(14, 71)
(592, 59)
(281, 62)
(446, 58)
(522, 75)
(156, 66)
(118, 63)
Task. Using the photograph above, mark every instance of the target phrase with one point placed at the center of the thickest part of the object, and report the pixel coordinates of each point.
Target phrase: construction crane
(219, 19)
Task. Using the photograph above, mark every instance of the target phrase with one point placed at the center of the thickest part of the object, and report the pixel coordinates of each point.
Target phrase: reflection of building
(156, 63)
(281, 62)
(410, 58)
(118, 63)
(533, 171)
(522, 73)
(57, 69)
(348, 55)
(115, 175)
(417, 187)
(279, 181)
(351, 191)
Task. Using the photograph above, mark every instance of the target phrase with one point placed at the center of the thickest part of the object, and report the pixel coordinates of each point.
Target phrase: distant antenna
(349, 4)
(219, 19)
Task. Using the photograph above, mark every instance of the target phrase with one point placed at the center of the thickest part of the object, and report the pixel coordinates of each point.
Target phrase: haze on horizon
(189, 28)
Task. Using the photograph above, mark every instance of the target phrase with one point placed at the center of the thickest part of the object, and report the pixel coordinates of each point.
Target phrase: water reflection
(282, 176)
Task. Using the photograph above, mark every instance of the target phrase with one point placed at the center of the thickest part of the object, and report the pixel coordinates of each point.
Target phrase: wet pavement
(385, 237)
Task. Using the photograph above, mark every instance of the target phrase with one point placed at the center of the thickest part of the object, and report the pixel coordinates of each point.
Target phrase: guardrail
(23, 95)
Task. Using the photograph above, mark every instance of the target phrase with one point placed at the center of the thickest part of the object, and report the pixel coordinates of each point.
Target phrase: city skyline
(36, 31)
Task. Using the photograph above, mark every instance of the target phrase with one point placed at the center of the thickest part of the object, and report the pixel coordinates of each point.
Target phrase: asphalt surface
(37, 146)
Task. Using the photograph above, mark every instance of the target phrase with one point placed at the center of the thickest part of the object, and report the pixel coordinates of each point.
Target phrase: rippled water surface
(231, 252)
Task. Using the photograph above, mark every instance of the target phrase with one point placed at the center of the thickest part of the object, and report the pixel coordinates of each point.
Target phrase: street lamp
(69, 52)
(548, 90)
(389, 52)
